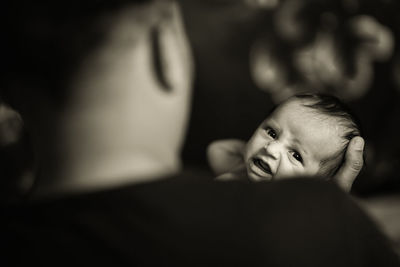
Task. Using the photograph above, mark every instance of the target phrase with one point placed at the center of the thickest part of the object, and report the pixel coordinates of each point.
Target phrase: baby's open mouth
(262, 165)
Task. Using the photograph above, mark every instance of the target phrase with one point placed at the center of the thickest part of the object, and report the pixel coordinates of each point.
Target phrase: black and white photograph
(200, 133)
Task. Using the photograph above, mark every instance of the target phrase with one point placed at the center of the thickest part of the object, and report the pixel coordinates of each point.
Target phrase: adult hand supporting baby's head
(353, 163)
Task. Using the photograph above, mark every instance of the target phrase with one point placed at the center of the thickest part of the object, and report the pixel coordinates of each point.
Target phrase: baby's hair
(333, 107)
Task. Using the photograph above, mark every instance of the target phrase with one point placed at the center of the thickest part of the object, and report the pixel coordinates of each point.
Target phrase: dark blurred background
(251, 54)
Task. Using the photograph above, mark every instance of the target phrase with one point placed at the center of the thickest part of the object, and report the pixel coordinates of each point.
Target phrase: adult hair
(334, 108)
(43, 48)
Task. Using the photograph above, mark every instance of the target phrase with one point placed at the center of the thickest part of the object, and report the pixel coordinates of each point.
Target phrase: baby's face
(292, 141)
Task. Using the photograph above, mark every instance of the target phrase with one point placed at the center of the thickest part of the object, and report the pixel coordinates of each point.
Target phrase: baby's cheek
(312, 169)
(288, 170)
(285, 170)
(252, 146)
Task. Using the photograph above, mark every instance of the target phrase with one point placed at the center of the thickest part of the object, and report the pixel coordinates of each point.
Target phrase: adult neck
(89, 150)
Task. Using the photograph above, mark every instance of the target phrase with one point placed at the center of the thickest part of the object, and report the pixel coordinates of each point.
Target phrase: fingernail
(359, 144)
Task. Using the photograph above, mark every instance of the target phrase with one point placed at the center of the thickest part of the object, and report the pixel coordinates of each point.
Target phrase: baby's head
(306, 135)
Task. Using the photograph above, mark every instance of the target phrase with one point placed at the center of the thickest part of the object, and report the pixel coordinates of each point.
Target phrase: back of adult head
(103, 87)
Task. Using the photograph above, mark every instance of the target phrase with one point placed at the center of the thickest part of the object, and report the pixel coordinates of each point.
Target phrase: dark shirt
(196, 222)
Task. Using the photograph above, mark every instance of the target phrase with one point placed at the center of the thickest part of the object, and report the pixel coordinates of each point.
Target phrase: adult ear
(175, 57)
(353, 163)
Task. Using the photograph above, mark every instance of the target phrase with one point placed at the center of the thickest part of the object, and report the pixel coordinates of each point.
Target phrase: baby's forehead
(304, 107)
(317, 132)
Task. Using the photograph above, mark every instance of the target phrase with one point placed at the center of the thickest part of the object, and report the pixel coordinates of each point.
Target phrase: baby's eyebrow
(270, 122)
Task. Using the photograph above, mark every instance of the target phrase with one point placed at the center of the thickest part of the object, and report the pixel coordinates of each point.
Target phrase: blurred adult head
(102, 86)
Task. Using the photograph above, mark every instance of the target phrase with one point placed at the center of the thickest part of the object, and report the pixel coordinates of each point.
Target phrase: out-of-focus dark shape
(263, 4)
(10, 125)
(319, 53)
(16, 158)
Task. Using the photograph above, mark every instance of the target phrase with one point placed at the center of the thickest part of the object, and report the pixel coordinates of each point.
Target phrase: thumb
(353, 163)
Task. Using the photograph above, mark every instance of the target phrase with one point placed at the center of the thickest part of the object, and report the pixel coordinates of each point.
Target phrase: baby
(306, 135)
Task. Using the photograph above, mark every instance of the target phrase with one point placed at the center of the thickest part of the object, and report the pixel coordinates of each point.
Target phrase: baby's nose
(273, 149)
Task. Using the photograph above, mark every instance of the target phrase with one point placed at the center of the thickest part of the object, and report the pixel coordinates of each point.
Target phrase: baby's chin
(257, 176)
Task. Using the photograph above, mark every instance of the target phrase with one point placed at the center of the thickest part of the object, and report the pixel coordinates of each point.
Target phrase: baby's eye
(271, 132)
(297, 156)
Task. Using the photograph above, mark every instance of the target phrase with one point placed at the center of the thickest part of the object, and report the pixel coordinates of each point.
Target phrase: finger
(352, 164)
